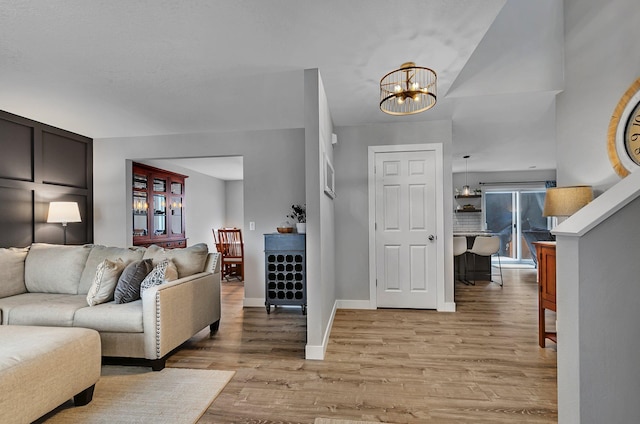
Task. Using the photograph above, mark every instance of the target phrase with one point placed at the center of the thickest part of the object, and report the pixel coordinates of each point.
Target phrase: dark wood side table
(546, 253)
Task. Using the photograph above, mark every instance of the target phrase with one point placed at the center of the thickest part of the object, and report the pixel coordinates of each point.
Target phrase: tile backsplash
(468, 221)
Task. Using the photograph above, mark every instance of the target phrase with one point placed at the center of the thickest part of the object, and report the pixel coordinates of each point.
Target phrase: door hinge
(376, 282)
(375, 226)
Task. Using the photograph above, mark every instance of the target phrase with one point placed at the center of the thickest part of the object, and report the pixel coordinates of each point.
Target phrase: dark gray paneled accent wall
(40, 164)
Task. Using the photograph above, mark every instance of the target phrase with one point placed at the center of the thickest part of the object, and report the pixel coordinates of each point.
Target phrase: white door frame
(373, 298)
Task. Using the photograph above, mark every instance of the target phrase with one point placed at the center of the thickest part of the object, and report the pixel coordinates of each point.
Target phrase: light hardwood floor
(481, 364)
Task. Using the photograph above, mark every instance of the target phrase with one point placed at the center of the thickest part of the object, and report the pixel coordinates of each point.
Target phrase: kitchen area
(507, 205)
(468, 223)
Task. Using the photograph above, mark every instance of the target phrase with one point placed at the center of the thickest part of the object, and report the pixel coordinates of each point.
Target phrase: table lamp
(63, 212)
(565, 201)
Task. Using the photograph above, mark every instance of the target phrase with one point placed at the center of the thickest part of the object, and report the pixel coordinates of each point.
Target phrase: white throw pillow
(157, 276)
(104, 282)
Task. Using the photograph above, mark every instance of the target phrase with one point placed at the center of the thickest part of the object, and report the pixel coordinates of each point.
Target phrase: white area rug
(139, 395)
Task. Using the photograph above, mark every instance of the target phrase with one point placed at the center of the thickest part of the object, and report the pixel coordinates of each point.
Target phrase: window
(515, 215)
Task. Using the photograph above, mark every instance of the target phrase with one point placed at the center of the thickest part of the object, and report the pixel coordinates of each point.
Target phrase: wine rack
(285, 270)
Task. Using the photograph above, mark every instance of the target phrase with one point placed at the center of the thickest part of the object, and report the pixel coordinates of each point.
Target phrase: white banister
(598, 308)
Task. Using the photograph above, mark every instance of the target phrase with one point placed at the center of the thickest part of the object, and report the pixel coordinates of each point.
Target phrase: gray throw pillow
(128, 287)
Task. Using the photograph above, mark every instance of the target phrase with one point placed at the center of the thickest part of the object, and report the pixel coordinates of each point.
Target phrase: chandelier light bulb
(397, 89)
(400, 100)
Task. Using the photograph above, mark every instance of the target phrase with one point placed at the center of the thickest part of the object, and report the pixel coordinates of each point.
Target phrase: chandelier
(408, 90)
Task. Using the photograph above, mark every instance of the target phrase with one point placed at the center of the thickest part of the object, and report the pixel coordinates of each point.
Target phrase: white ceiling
(143, 67)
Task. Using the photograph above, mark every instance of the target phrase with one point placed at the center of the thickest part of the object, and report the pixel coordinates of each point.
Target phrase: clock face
(632, 135)
(623, 137)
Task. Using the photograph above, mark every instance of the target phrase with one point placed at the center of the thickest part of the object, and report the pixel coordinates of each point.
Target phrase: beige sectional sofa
(47, 285)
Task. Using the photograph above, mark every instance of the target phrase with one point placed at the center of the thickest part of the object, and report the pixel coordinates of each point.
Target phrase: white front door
(405, 229)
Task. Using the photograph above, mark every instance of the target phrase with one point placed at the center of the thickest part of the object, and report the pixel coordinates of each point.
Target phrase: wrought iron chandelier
(408, 90)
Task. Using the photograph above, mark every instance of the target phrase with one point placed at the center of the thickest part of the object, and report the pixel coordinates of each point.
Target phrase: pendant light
(408, 90)
(465, 189)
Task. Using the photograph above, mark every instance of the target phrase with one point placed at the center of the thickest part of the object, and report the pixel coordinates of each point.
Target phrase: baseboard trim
(253, 302)
(353, 304)
(317, 352)
(448, 307)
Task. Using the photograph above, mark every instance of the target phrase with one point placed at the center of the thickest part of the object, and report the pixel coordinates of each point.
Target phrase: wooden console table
(546, 253)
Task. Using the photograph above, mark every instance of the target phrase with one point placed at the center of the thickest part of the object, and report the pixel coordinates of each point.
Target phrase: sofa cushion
(98, 254)
(104, 282)
(8, 303)
(51, 268)
(12, 271)
(111, 317)
(54, 312)
(189, 261)
(128, 287)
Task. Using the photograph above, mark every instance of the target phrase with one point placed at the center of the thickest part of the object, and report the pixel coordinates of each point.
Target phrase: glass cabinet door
(159, 215)
(140, 205)
(159, 206)
(176, 208)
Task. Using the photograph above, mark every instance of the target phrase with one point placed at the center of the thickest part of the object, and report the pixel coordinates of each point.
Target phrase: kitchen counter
(472, 267)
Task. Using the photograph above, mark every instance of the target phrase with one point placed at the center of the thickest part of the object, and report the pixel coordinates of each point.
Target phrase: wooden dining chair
(231, 246)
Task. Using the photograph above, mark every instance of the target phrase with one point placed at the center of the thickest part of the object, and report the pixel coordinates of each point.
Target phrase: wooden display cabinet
(158, 207)
(546, 252)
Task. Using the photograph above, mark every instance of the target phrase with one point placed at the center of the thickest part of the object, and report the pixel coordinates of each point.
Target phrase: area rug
(332, 421)
(139, 395)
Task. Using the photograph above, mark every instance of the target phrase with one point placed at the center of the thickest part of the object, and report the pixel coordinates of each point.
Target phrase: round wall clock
(623, 136)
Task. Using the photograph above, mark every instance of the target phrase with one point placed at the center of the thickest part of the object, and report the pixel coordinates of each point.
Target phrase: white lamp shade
(63, 212)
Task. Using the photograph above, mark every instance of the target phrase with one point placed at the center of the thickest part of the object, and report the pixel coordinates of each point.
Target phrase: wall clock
(623, 136)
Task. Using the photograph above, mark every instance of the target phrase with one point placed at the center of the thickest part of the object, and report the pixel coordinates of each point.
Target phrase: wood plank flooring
(481, 364)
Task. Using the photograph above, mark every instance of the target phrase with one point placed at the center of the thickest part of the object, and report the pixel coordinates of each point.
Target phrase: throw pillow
(189, 261)
(172, 272)
(12, 271)
(104, 282)
(128, 287)
(156, 276)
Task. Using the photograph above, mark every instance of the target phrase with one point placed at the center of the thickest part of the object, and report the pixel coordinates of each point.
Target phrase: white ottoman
(43, 367)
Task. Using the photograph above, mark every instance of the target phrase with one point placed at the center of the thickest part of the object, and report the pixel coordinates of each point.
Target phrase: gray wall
(601, 62)
(321, 282)
(597, 371)
(273, 175)
(234, 204)
(351, 206)
(475, 178)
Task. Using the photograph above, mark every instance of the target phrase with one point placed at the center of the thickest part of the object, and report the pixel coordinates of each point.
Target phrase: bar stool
(487, 246)
(460, 248)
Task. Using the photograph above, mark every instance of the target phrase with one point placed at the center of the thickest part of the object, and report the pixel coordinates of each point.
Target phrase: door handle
(432, 237)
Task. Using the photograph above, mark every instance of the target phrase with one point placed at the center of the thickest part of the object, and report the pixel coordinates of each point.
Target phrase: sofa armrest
(213, 262)
(175, 311)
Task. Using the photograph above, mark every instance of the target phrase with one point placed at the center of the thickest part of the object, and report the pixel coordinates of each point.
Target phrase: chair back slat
(231, 242)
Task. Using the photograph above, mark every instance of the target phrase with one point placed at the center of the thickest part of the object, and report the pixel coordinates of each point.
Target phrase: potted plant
(299, 215)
